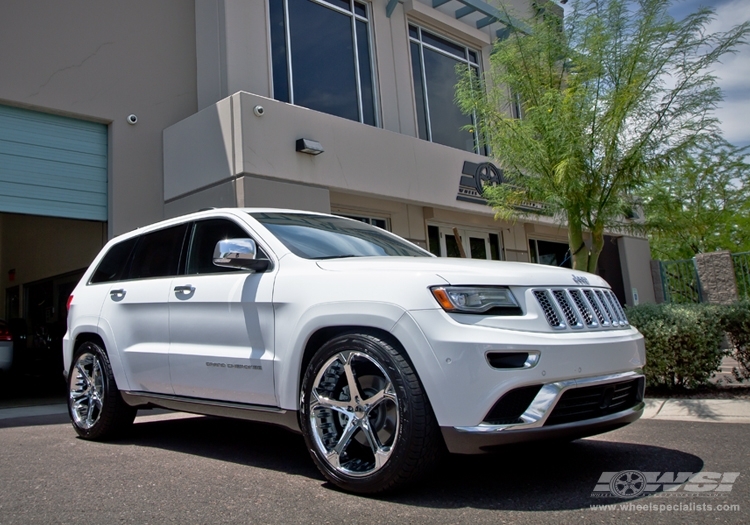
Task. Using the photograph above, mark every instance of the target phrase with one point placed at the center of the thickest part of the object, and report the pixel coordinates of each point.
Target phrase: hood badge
(580, 280)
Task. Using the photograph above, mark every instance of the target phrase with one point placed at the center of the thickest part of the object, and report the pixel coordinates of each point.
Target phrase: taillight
(5, 335)
(70, 300)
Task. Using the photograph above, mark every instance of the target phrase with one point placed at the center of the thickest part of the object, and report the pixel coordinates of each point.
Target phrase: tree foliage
(700, 202)
(609, 96)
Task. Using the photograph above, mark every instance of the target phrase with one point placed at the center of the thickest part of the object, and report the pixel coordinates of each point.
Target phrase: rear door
(221, 323)
(136, 309)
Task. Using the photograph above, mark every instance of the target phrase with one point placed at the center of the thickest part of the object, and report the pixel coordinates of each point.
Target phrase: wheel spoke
(381, 453)
(83, 373)
(346, 437)
(95, 374)
(378, 397)
(319, 401)
(351, 381)
(90, 413)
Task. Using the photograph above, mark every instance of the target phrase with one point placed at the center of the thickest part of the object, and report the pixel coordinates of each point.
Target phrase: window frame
(466, 60)
(354, 18)
(190, 238)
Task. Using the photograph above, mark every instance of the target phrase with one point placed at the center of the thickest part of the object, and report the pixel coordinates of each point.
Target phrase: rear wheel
(95, 405)
(366, 419)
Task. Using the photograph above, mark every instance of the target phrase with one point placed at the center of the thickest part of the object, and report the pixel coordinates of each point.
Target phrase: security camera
(132, 119)
(259, 111)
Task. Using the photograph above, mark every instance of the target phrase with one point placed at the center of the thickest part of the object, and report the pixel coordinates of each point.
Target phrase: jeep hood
(468, 271)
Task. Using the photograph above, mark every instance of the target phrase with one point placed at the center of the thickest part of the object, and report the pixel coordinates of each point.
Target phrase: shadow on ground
(520, 477)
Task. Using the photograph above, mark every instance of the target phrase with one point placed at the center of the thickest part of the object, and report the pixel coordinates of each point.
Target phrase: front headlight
(488, 300)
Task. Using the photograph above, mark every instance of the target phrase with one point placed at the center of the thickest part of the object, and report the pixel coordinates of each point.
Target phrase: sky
(733, 74)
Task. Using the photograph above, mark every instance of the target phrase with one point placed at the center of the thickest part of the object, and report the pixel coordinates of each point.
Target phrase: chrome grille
(568, 311)
(583, 307)
(579, 308)
(542, 296)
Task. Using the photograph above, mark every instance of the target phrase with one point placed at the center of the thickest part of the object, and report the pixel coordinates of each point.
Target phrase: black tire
(95, 405)
(387, 435)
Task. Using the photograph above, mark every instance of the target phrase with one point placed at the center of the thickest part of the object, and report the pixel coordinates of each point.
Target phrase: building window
(321, 57)
(375, 221)
(550, 253)
(434, 61)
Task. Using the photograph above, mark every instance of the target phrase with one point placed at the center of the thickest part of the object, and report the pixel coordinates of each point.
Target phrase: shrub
(737, 325)
(683, 342)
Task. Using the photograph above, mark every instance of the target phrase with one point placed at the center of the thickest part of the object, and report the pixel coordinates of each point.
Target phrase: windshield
(326, 237)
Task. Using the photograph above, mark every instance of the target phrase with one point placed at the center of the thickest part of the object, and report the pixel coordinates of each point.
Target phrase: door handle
(186, 289)
(117, 294)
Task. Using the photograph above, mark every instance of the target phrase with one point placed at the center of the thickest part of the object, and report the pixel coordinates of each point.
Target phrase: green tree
(700, 202)
(609, 96)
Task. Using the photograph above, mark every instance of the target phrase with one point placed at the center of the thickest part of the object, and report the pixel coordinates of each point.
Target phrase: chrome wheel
(354, 414)
(86, 391)
(96, 407)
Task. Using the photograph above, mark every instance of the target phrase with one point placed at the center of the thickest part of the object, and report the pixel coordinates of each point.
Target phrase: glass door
(476, 244)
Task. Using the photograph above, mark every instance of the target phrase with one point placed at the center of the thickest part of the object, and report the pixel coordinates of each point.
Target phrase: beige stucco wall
(102, 61)
(227, 140)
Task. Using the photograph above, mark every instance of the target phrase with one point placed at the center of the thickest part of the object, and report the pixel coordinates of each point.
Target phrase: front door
(221, 324)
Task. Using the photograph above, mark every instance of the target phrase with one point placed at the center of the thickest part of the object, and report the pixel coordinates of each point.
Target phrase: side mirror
(239, 253)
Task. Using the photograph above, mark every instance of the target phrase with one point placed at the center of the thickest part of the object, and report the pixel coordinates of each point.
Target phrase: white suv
(381, 354)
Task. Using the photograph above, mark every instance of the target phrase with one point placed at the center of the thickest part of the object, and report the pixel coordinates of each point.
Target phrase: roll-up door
(52, 165)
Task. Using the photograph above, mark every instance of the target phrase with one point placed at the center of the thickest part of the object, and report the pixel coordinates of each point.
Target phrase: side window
(157, 254)
(113, 264)
(203, 241)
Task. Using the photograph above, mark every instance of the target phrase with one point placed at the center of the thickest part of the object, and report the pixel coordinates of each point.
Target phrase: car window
(326, 237)
(203, 241)
(113, 264)
(157, 254)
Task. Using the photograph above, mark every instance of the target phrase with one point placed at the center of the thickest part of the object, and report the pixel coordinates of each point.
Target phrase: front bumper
(534, 423)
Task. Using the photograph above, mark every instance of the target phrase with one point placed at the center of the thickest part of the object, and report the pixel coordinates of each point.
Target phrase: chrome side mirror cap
(239, 253)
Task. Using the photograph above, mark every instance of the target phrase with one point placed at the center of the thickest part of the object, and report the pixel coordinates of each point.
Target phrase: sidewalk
(704, 410)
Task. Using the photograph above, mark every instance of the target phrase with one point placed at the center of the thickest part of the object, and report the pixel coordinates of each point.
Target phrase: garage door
(52, 165)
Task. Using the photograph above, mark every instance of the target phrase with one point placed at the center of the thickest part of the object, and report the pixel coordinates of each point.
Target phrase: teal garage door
(52, 165)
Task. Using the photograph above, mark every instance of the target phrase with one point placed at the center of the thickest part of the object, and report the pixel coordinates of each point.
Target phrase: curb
(704, 410)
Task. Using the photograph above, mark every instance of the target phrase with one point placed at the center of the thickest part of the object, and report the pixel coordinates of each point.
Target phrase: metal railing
(680, 281)
(741, 263)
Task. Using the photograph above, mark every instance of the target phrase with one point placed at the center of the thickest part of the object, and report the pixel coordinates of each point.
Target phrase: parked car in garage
(380, 353)
(6, 348)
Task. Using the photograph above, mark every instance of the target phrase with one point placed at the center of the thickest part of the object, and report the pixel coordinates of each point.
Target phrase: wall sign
(475, 176)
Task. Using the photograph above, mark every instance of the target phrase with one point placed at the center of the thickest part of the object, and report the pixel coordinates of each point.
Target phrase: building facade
(117, 114)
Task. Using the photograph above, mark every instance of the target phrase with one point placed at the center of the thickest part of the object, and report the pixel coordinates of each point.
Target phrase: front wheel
(365, 417)
(95, 406)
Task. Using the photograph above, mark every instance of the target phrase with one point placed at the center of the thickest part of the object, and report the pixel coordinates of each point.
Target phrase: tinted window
(434, 61)
(112, 265)
(325, 237)
(205, 236)
(325, 45)
(157, 254)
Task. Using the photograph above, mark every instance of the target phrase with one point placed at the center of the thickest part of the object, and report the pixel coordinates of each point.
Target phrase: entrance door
(476, 244)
